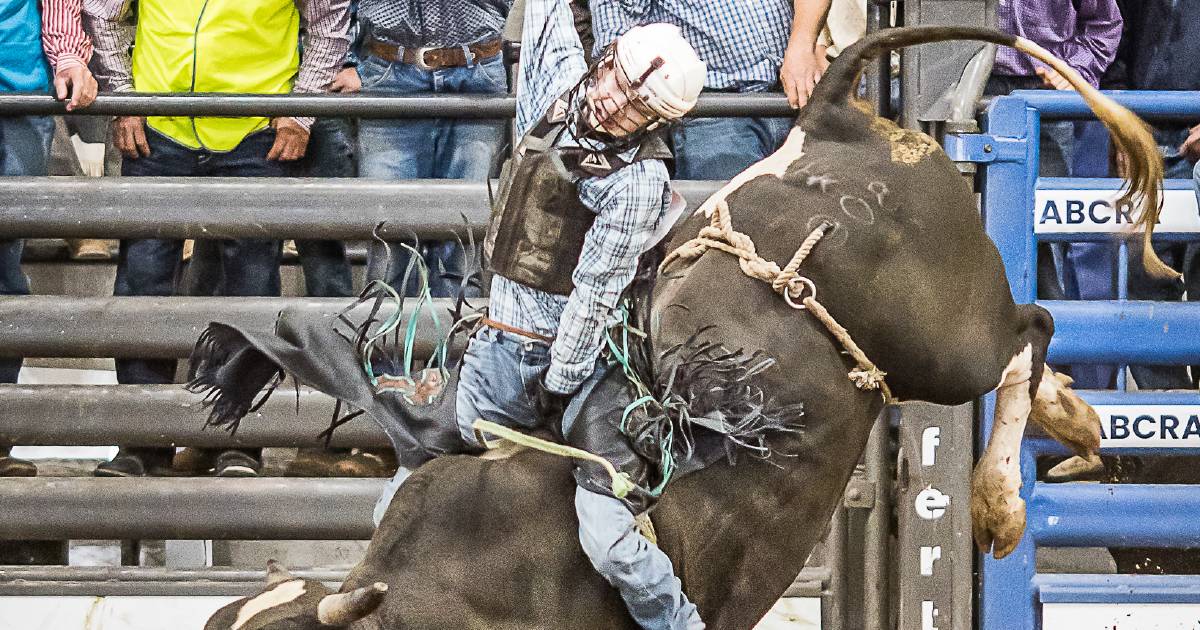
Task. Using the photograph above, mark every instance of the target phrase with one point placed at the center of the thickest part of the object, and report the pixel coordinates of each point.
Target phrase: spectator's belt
(436, 58)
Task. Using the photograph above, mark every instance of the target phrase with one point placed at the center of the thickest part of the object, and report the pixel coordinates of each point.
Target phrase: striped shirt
(433, 23)
(629, 205)
(1084, 33)
(742, 41)
(63, 39)
(325, 22)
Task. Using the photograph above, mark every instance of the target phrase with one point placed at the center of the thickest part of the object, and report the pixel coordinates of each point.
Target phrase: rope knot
(867, 379)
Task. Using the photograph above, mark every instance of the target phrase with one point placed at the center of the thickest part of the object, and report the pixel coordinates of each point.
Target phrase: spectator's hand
(1052, 79)
(291, 140)
(76, 83)
(802, 68)
(1190, 148)
(129, 134)
(346, 81)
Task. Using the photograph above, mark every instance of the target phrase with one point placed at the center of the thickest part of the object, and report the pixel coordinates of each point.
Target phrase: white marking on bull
(282, 594)
(997, 509)
(880, 189)
(856, 208)
(775, 164)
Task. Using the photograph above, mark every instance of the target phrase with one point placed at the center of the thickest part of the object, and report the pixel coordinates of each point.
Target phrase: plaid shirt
(1084, 33)
(325, 25)
(742, 41)
(629, 205)
(434, 23)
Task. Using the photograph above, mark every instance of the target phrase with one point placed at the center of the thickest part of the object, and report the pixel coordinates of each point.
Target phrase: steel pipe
(1121, 515)
(344, 106)
(47, 508)
(243, 207)
(1069, 105)
(167, 415)
(149, 327)
(145, 581)
(1161, 333)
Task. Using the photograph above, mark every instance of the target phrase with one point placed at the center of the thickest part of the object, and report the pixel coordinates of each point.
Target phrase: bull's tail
(1131, 136)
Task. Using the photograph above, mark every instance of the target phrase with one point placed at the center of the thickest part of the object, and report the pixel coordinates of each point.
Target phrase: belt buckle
(420, 58)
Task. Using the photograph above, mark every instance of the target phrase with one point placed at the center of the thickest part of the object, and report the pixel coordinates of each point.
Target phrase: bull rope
(720, 235)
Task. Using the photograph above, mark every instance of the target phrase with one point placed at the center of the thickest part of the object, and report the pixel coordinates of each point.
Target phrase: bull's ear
(276, 573)
(341, 609)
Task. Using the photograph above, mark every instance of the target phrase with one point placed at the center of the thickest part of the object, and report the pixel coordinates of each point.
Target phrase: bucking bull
(900, 261)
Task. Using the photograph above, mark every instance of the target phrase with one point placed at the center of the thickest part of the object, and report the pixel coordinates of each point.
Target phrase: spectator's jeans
(24, 151)
(326, 269)
(719, 148)
(151, 266)
(436, 148)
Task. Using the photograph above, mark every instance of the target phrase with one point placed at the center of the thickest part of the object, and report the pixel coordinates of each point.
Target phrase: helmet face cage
(614, 111)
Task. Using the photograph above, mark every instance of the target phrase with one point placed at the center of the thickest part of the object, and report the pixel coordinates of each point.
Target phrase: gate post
(1008, 153)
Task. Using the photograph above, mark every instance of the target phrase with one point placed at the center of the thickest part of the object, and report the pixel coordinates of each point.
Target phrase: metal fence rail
(347, 106)
(247, 207)
(189, 508)
(152, 327)
(167, 415)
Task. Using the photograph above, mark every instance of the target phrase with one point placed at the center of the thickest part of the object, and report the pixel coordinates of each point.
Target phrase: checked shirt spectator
(423, 46)
(749, 47)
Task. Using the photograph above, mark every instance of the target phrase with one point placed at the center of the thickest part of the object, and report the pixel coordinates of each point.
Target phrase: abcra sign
(1149, 426)
(1097, 211)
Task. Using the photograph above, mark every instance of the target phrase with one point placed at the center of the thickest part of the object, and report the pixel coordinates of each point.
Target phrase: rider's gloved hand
(549, 404)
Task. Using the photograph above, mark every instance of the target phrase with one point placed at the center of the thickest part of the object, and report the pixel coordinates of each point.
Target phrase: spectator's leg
(719, 148)
(395, 149)
(205, 271)
(327, 271)
(24, 151)
(1092, 267)
(145, 267)
(466, 149)
(250, 266)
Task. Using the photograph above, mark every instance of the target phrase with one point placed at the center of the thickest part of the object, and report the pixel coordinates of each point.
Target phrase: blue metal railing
(1115, 331)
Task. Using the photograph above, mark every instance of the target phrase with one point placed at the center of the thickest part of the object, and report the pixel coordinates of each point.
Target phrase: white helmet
(648, 76)
(671, 89)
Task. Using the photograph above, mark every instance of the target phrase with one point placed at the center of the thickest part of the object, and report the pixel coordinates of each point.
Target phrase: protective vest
(538, 223)
(232, 46)
(22, 64)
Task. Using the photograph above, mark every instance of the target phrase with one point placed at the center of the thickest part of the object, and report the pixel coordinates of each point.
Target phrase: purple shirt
(1084, 33)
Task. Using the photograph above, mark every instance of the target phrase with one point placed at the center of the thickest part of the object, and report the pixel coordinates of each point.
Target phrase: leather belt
(430, 59)
(491, 323)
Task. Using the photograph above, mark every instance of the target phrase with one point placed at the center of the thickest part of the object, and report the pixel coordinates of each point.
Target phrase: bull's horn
(276, 573)
(340, 609)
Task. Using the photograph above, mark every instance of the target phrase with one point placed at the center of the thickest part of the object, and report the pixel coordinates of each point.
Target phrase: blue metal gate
(1020, 209)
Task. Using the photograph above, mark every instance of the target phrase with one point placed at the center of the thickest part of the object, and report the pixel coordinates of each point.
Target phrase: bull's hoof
(997, 511)
(1064, 416)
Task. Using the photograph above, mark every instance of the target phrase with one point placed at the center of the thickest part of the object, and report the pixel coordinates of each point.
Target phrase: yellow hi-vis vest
(232, 46)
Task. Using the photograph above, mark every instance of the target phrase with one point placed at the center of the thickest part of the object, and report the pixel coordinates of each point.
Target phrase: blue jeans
(719, 148)
(330, 154)
(497, 381)
(434, 148)
(250, 267)
(24, 151)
